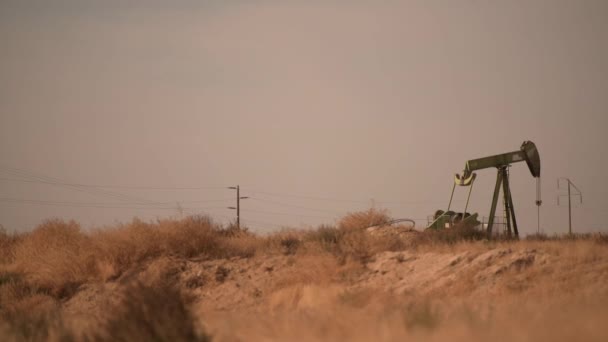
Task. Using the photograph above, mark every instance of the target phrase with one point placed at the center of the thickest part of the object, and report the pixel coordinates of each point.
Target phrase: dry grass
(58, 256)
(319, 294)
(151, 312)
(41, 268)
(364, 219)
(7, 245)
(55, 257)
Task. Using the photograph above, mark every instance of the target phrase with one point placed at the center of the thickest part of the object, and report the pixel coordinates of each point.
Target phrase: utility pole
(569, 210)
(578, 193)
(238, 204)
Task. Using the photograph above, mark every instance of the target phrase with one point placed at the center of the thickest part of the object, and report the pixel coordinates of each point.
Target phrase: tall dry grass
(7, 245)
(364, 219)
(46, 266)
(151, 312)
(144, 312)
(58, 256)
(42, 269)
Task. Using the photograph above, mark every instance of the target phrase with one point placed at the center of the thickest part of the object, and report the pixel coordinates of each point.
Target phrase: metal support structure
(511, 208)
(494, 203)
(468, 199)
(502, 180)
(451, 197)
(505, 201)
(238, 204)
(538, 204)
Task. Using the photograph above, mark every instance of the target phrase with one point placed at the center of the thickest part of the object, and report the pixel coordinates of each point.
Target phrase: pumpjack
(528, 153)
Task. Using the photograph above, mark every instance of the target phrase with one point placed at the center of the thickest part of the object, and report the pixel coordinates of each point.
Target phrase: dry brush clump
(27, 313)
(47, 266)
(7, 245)
(601, 238)
(350, 240)
(157, 311)
(58, 256)
(151, 312)
(364, 219)
(39, 325)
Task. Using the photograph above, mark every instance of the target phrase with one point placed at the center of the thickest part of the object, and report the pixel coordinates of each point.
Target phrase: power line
(72, 186)
(286, 214)
(107, 203)
(78, 205)
(132, 202)
(275, 194)
(82, 188)
(295, 206)
(61, 183)
(97, 186)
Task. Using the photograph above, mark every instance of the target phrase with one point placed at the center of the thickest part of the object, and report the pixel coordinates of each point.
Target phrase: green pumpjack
(528, 153)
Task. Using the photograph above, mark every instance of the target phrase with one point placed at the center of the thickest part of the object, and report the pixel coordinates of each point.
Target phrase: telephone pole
(569, 194)
(238, 204)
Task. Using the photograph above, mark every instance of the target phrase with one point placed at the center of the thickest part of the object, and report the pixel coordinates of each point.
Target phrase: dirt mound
(298, 290)
(431, 272)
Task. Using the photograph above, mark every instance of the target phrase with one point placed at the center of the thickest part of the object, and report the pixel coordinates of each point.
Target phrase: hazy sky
(294, 100)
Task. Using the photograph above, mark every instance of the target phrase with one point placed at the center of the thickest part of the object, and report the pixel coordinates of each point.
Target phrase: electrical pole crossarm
(238, 204)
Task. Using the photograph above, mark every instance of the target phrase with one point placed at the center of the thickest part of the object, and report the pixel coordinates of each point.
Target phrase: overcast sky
(314, 107)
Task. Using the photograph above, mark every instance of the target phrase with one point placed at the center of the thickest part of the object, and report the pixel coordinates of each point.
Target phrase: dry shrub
(12, 290)
(7, 246)
(117, 249)
(157, 311)
(153, 312)
(351, 244)
(199, 236)
(55, 257)
(364, 219)
(26, 314)
(190, 237)
(286, 242)
(42, 325)
(245, 246)
(326, 236)
(601, 238)
(120, 248)
(234, 230)
(355, 245)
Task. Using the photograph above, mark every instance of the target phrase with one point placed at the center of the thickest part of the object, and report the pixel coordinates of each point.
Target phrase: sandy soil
(526, 291)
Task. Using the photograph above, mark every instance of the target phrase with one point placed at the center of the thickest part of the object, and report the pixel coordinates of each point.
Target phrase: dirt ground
(526, 291)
